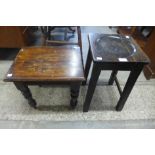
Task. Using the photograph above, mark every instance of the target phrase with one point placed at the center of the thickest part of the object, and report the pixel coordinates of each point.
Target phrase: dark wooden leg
(75, 87)
(112, 77)
(65, 34)
(26, 93)
(128, 87)
(91, 87)
(87, 67)
(49, 32)
(70, 28)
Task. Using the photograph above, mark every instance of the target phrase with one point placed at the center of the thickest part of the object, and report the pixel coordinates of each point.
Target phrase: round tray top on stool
(115, 48)
(113, 52)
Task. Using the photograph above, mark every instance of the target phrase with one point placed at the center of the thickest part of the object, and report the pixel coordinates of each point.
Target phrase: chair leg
(75, 87)
(70, 29)
(134, 74)
(87, 67)
(112, 77)
(49, 33)
(91, 87)
(26, 93)
(65, 34)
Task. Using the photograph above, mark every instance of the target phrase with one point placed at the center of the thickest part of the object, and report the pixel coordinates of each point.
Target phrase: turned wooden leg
(87, 66)
(26, 93)
(112, 77)
(128, 87)
(91, 87)
(75, 87)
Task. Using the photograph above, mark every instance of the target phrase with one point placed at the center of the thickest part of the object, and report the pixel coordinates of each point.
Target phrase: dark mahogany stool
(113, 52)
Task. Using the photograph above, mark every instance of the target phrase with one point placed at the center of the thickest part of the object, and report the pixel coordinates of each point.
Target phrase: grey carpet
(116, 124)
(53, 102)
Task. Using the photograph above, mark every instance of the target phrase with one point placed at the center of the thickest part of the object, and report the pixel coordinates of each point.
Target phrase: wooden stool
(113, 52)
(49, 41)
(68, 29)
(45, 66)
(46, 30)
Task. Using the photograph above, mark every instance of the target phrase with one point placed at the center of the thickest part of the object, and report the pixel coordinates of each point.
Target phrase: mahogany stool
(47, 65)
(113, 52)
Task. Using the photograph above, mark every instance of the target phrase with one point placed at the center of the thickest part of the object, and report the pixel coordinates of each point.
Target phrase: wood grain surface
(47, 64)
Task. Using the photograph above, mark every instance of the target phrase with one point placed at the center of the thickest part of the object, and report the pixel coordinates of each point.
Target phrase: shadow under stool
(117, 53)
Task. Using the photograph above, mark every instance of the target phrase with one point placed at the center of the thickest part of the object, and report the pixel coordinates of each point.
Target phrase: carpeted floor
(53, 102)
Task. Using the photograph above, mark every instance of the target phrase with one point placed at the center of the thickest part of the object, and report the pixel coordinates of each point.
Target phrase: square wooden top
(47, 64)
(116, 48)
